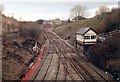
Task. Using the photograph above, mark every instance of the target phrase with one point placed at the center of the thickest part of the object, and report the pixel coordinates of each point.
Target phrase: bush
(33, 33)
(106, 55)
(40, 21)
(110, 21)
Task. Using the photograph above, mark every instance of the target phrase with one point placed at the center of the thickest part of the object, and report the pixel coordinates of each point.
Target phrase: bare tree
(20, 18)
(102, 10)
(77, 10)
(1, 8)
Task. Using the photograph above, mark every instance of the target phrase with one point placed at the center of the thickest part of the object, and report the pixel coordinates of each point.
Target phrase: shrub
(106, 55)
(29, 32)
(110, 21)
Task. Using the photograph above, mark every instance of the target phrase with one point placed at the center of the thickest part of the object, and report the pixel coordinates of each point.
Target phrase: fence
(109, 34)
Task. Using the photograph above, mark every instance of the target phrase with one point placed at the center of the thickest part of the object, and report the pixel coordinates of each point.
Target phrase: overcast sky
(32, 10)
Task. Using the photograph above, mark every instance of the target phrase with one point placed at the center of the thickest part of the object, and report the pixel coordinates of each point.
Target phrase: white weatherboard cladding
(90, 33)
(79, 37)
(90, 40)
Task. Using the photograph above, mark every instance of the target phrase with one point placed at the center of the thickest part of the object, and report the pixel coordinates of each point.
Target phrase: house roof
(82, 30)
(79, 18)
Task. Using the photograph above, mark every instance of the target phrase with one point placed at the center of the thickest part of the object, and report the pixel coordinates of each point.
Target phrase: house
(86, 36)
(78, 18)
(56, 22)
(47, 25)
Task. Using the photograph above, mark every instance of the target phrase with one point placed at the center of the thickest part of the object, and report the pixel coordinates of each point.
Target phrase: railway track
(44, 68)
(74, 65)
(65, 64)
(70, 72)
(90, 68)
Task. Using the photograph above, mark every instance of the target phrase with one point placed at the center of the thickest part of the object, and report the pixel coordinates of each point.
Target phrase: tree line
(80, 10)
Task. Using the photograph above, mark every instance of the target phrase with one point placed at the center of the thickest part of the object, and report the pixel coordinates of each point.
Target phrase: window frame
(87, 37)
(93, 36)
